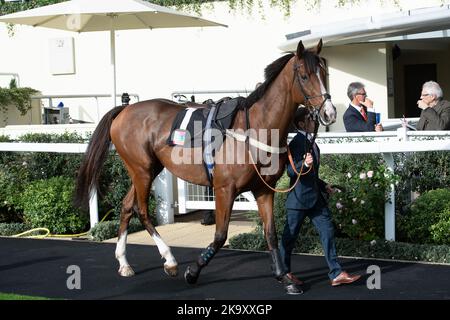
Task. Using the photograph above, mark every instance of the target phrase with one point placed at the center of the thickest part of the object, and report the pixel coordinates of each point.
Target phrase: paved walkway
(187, 231)
(47, 268)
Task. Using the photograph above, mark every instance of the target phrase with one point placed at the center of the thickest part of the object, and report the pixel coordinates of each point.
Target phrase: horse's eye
(305, 77)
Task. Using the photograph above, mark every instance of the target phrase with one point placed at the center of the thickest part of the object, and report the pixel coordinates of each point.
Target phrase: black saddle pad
(223, 119)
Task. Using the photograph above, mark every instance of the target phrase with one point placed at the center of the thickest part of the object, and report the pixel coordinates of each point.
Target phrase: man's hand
(368, 103)
(308, 159)
(422, 105)
(330, 189)
(378, 127)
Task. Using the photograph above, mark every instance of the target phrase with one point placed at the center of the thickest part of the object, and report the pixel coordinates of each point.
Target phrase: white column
(389, 206)
(93, 207)
(181, 196)
(113, 62)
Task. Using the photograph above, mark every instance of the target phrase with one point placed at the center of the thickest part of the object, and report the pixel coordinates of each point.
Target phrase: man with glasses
(435, 110)
(360, 115)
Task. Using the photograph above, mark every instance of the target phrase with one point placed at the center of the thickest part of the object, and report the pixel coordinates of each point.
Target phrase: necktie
(364, 114)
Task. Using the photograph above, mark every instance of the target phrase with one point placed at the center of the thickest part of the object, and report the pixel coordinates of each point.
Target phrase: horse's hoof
(126, 271)
(171, 270)
(191, 279)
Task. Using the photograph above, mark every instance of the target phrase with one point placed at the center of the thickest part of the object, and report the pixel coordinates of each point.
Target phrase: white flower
(362, 202)
(376, 185)
(339, 205)
(373, 242)
(354, 199)
(24, 163)
(362, 175)
(354, 221)
(370, 174)
(349, 175)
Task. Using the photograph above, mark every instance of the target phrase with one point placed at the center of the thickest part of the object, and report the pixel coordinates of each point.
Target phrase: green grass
(11, 296)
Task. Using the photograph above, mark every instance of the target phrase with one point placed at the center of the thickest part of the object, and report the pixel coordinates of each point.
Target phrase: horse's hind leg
(143, 180)
(224, 204)
(126, 212)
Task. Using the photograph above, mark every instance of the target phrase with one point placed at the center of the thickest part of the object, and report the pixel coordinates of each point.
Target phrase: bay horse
(139, 133)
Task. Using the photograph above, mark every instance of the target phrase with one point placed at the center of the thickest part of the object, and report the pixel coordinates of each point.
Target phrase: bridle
(314, 110)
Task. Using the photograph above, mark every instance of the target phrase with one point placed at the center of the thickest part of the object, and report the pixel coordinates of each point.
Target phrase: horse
(139, 133)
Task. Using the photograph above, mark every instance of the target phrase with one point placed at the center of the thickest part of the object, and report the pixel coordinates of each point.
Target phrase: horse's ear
(319, 46)
(300, 49)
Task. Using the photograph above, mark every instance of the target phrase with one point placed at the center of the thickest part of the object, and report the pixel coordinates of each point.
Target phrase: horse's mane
(273, 70)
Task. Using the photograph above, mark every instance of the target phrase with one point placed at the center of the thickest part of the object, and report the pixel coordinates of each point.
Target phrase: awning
(374, 28)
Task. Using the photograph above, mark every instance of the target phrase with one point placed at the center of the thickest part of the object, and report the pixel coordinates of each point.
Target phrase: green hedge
(355, 248)
(48, 204)
(110, 229)
(358, 207)
(427, 219)
(10, 229)
(21, 169)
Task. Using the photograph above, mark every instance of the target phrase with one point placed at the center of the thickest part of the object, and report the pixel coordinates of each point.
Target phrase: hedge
(381, 249)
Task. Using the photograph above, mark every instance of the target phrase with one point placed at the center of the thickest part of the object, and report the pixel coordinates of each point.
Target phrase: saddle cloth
(190, 124)
(191, 128)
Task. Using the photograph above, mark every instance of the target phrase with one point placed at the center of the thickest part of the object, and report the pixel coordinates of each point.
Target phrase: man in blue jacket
(360, 114)
(307, 199)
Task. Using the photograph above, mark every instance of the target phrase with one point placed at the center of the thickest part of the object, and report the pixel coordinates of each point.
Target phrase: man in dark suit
(306, 199)
(435, 110)
(360, 115)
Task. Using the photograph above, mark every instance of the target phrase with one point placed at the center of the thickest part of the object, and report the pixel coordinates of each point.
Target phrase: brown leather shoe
(344, 278)
(294, 279)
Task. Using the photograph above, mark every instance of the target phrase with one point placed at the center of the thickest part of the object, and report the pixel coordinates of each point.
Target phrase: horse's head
(310, 75)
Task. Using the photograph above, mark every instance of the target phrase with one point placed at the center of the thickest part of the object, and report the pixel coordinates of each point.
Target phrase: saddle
(192, 127)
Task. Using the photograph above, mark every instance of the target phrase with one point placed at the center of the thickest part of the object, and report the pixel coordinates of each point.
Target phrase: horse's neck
(276, 109)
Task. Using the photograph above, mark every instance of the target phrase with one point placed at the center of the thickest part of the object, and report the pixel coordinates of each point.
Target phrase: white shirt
(359, 108)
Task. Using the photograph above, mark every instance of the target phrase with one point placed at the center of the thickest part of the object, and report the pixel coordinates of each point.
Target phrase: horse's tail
(94, 158)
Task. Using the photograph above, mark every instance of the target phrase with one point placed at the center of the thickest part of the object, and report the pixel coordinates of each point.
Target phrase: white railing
(386, 148)
(96, 97)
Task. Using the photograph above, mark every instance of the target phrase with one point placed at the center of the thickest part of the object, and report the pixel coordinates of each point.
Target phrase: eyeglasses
(425, 95)
(361, 94)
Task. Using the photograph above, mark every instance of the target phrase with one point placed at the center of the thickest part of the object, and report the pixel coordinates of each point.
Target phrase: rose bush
(362, 182)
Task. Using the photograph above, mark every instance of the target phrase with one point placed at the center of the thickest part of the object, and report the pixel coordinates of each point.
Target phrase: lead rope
(299, 174)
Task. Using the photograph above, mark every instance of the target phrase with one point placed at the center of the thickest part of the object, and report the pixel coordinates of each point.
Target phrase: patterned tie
(364, 114)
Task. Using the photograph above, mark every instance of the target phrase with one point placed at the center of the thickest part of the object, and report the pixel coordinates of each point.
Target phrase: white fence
(387, 143)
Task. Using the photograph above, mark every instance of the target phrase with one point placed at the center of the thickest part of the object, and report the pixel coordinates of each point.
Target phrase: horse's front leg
(224, 203)
(264, 200)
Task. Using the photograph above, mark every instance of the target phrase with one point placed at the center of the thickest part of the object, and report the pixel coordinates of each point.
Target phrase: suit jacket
(354, 121)
(308, 190)
(436, 118)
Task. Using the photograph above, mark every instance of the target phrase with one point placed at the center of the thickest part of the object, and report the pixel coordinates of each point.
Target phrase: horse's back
(143, 122)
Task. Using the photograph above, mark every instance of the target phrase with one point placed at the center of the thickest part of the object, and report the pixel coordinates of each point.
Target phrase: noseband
(315, 113)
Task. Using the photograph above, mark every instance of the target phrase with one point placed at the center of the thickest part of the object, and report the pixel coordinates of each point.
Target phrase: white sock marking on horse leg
(164, 250)
(121, 250)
